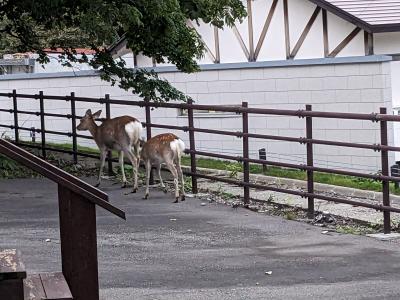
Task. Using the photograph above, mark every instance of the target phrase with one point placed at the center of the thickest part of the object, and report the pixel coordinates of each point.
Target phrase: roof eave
(119, 45)
(356, 21)
(343, 14)
(385, 28)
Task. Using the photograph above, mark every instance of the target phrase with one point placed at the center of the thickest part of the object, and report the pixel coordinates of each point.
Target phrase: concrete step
(12, 274)
(46, 286)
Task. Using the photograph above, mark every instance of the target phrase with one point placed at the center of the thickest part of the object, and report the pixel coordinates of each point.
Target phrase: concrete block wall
(357, 85)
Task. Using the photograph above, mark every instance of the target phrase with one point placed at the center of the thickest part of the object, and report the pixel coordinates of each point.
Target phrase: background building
(336, 55)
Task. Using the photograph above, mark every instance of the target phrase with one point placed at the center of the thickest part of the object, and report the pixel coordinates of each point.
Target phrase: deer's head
(88, 120)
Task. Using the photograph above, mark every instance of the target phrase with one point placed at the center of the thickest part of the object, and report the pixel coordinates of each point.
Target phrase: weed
(188, 184)
(234, 169)
(270, 198)
(11, 169)
(290, 215)
(356, 230)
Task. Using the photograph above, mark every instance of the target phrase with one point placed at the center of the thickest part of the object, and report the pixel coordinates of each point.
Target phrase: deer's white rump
(164, 148)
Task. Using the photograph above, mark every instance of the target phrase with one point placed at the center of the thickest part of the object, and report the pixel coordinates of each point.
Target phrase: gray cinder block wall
(361, 84)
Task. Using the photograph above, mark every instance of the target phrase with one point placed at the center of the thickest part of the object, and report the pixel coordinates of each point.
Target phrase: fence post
(148, 132)
(192, 142)
(385, 172)
(42, 124)
(109, 153)
(246, 167)
(15, 108)
(310, 163)
(73, 121)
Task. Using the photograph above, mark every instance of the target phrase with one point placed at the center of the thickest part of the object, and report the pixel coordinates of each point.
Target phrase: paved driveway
(189, 251)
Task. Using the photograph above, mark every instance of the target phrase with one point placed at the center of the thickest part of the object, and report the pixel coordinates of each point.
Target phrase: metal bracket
(303, 141)
(375, 117)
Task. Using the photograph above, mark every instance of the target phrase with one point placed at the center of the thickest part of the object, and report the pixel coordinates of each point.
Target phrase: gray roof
(374, 12)
(370, 15)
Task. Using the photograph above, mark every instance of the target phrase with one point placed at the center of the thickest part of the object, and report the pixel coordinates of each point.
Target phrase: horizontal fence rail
(244, 111)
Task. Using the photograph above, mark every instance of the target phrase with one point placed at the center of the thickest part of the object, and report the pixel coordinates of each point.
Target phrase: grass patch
(66, 146)
(233, 168)
(332, 179)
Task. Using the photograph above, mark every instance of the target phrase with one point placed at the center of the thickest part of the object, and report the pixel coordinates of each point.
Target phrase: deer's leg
(121, 163)
(148, 170)
(180, 173)
(174, 173)
(135, 169)
(135, 151)
(160, 178)
(103, 154)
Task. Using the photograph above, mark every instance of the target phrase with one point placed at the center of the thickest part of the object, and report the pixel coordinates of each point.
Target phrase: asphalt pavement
(194, 251)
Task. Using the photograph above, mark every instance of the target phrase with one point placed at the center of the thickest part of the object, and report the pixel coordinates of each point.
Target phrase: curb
(300, 184)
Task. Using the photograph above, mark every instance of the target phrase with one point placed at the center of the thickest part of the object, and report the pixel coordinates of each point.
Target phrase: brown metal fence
(307, 114)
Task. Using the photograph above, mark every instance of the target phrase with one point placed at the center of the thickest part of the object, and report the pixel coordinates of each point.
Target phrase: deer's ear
(97, 114)
(88, 112)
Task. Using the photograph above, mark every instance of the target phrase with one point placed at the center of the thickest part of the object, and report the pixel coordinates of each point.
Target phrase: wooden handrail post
(385, 172)
(148, 132)
(78, 244)
(73, 122)
(109, 153)
(15, 109)
(42, 124)
(310, 163)
(246, 165)
(193, 167)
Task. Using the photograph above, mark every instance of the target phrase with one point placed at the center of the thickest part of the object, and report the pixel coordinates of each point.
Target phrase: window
(208, 113)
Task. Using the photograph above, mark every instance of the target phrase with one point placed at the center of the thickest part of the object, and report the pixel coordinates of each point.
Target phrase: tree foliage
(155, 28)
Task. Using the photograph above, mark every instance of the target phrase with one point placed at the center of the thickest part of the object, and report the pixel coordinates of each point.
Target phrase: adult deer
(164, 148)
(121, 134)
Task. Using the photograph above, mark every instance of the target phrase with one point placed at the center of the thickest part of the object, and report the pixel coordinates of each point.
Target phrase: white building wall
(273, 47)
(55, 66)
(395, 78)
(350, 87)
(387, 43)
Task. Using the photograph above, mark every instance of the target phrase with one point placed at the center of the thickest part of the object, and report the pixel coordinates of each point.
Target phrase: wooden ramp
(16, 285)
(49, 286)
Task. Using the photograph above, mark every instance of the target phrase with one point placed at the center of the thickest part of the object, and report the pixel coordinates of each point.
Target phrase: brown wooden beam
(135, 60)
(345, 42)
(265, 28)
(369, 43)
(325, 32)
(250, 30)
(241, 42)
(286, 22)
(216, 44)
(208, 50)
(305, 32)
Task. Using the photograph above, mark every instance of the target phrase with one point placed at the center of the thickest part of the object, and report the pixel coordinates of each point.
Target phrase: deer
(121, 134)
(165, 148)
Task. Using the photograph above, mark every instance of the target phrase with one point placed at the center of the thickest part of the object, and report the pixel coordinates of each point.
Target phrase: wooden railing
(77, 208)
